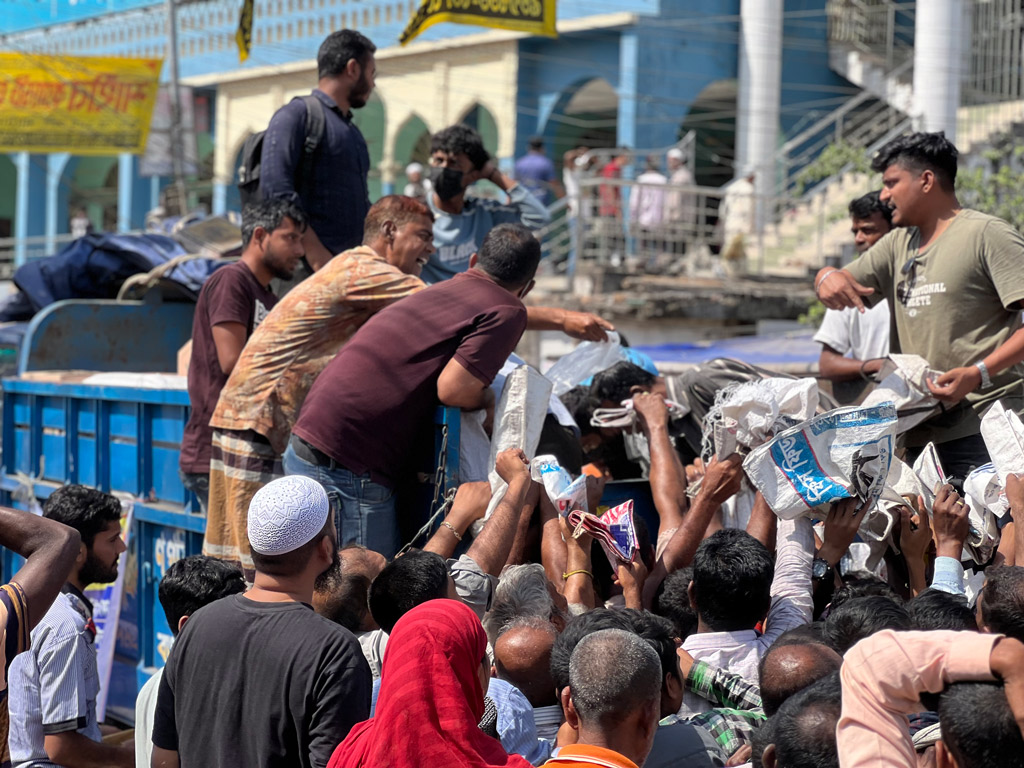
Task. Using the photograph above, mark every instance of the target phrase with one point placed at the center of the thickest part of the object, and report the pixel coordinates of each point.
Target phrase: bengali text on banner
(85, 105)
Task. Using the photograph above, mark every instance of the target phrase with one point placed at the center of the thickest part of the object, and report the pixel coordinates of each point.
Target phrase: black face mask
(447, 182)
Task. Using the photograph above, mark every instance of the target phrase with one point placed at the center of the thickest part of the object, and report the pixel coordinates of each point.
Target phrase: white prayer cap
(286, 513)
(676, 154)
(413, 168)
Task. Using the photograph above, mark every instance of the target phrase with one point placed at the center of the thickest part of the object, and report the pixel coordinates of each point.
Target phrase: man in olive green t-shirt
(954, 279)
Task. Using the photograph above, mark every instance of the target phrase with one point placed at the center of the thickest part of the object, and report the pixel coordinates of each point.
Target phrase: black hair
(802, 635)
(581, 404)
(510, 254)
(863, 584)
(269, 214)
(461, 139)
(1002, 601)
(576, 630)
(673, 602)
(195, 581)
(660, 635)
(85, 509)
(805, 726)
(935, 609)
(342, 598)
(616, 382)
(978, 726)
(407, 581)
(759, 741)
(294, 562)
(862, 617)
(339, 48)
(732, 578)
(919, 152)
(868, 205)
(536, 142)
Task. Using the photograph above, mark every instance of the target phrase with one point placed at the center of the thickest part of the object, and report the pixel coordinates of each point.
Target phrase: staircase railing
(882, 28)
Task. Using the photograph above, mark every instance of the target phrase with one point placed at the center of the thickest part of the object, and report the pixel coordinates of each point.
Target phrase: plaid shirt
(739, 711)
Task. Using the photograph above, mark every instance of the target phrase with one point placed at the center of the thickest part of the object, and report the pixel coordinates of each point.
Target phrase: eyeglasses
(906, 285)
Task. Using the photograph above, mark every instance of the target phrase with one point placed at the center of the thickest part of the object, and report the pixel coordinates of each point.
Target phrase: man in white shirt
(680, 205)
(854, 344)
(647, 209)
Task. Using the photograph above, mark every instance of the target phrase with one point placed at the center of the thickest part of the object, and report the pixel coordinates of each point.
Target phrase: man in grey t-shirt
(953, 280)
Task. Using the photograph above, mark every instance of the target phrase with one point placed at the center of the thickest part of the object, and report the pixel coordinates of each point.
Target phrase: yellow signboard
(86, 105)
(534, 16)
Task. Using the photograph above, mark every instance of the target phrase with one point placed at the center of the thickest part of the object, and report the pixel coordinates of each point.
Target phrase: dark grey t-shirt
(260, 684)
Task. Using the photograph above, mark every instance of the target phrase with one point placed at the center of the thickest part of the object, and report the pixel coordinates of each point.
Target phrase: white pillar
(760, 90)
(938, 64)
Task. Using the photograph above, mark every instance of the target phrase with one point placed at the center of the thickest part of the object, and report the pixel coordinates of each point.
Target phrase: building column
(55, 165)
(220, 198)
(29, 220)
(125, 179)
(760, 91)
(629, 54)
(938, 64)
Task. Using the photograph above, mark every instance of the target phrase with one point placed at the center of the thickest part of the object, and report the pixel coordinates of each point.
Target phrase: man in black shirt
(259, 679)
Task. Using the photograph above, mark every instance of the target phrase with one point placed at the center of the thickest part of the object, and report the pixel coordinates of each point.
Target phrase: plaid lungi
(242, 462)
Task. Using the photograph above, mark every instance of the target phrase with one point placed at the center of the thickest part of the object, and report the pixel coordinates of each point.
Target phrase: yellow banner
(534, 16)
(243, 37)
(86, 105)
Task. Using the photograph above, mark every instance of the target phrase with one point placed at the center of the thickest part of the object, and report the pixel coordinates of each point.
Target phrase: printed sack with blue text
(841, 454)
(614, 531)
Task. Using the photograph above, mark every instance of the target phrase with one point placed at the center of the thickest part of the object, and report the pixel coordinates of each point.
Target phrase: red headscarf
(430, 697)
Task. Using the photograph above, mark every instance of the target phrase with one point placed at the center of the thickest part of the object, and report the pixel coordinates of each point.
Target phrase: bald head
(522, 656)
(788, 669)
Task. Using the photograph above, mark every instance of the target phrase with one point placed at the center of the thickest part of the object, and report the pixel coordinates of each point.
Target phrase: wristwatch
(821, 569)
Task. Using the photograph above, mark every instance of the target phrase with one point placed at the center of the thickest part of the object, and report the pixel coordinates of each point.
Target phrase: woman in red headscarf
(431, 697)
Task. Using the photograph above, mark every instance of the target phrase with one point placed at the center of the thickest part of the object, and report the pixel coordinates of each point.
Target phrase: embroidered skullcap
(286, 513)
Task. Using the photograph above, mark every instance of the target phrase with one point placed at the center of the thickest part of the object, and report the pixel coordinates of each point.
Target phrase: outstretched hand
(953, 386)
(836, 289)
(586, 326)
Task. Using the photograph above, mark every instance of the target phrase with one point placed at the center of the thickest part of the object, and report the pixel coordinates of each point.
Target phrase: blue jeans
(364, 510)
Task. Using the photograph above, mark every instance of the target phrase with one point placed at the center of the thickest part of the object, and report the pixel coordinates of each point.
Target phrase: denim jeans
(199, 484)
(365, 510)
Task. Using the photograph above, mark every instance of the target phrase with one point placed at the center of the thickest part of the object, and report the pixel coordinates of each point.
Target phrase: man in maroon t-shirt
(375, 400)
(232, 303)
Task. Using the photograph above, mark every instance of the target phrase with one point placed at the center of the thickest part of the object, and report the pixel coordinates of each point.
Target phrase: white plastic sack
(903, 382)
(1003, 433)
(748, 414)
(986, 501)
(518, 421)
(564, 492)
(841, 454)
(588, 358)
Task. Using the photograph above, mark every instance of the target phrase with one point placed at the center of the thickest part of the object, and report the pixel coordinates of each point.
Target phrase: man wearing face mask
(335, 197)
(458, 160)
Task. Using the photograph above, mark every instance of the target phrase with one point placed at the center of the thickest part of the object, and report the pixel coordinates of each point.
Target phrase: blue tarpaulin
(766, 351)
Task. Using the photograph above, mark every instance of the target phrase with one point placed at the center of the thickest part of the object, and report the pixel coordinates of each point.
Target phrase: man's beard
(330, 575)
(360, 93)
(94, 571)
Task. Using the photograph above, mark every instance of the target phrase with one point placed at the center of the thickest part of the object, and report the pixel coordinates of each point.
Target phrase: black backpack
(252, 152)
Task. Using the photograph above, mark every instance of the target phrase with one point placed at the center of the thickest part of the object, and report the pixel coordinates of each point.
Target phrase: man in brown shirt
(232, 303)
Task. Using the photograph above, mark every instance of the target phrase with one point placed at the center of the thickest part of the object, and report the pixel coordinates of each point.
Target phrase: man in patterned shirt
(49, 549)
(261, 400)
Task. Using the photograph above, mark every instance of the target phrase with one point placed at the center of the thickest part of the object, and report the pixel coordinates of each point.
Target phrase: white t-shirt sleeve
(835, 330)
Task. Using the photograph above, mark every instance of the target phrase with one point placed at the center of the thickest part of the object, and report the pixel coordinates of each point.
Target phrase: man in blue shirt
(458, 160)
(335, 197)
(536, 172)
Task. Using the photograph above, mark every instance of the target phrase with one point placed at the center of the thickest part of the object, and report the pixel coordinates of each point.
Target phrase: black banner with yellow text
(534, 16)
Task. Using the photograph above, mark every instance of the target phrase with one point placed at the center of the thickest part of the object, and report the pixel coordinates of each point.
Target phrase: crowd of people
(310, 632)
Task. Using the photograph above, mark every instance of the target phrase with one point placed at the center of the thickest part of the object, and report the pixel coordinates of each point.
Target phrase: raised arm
(490, 550)
(49, 549)
(667, 476)
(721, 480)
